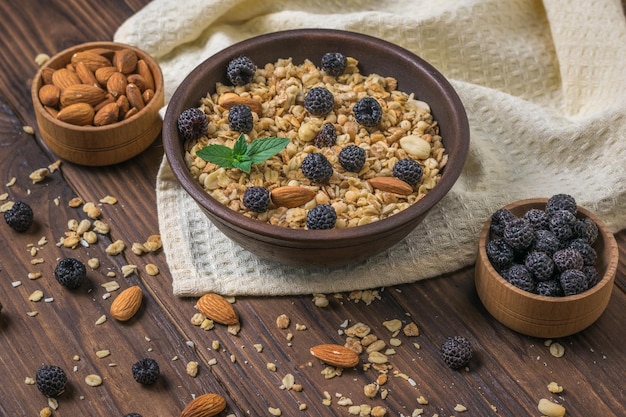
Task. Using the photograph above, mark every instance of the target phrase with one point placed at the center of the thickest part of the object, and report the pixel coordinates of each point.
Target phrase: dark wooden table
(509, 372)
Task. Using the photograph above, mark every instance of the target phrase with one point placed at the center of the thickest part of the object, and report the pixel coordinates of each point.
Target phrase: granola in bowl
(276, 95)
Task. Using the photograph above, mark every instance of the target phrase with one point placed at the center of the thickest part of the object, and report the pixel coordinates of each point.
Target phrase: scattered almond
(127, 303)
(206, 405)
(335, 355)
(218, 309)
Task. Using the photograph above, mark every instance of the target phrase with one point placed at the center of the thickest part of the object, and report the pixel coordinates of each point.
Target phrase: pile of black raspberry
(545, 251)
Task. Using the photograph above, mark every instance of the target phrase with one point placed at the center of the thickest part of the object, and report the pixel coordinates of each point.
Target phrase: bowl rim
(609, 242)
(37, 83)
(344, 236)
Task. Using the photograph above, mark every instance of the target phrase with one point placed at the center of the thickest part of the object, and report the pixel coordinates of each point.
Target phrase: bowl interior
(374, 56)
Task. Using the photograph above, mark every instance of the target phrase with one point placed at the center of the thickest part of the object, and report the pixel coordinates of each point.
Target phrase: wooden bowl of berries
(98, 103)
(316, 147)
(546, 266)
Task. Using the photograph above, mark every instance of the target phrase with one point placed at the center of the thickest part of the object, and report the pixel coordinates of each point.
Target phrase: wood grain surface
(507, 376)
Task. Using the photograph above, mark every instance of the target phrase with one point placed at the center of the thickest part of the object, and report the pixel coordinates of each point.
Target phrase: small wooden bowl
(543, 316)
(100, 145)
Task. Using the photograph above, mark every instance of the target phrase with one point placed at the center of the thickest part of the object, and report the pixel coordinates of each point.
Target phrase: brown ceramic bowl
(336, 246)
(544, 316)
(99, 145)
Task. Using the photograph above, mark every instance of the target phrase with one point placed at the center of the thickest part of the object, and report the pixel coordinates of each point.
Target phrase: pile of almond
(97, 87)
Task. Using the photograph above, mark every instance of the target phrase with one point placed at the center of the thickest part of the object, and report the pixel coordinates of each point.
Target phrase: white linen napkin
(544, 87)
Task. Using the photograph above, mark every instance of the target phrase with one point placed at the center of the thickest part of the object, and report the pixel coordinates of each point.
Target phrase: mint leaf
(243, 163)
(261, 150)
(240, 147)
(217, 154)
(243, 156)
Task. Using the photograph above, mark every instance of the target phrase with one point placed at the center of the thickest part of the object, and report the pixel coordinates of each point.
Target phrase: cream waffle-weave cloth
(543, 83)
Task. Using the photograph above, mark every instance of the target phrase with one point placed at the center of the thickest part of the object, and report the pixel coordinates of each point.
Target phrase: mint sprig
(242, 156)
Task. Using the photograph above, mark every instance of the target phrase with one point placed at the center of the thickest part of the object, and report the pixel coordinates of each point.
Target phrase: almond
(206, 405)
(125, 60)
(107, 115)
(217, 308)
(228, 100)
(103, 74)
(122, 103)
(49, 95)
(134, 96)
(116, 84)
(138, 80)
(391, 184)
(91, 60)
(63, 78)
(86, 75)
(291, 196)
(126, 304)
(147, 95)
(144, 70)
(79, 114)
(46, 75)
(335, 355)
(82, 93)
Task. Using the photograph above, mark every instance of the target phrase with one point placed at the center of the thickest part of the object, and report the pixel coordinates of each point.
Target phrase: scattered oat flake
(36, 295)
(16, 284)
(555, 388)
(11, 182)
(152, 270)
(37, 261)
(4, 196)
(32, 313)
(111, 286)
(108, 200)
(39, 175)
(29, 380)
(93, 380)
(45, 412)
(192, 369)
(460, 408)
(103, 353)
(41, 59)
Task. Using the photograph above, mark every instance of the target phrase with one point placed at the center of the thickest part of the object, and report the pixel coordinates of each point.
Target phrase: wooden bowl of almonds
(98, 103)
(316, 147)
(546, 266)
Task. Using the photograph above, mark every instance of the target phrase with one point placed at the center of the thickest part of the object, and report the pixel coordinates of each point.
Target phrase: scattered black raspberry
(540, 265)
(51, 380)
(562, 223)
(19, 217)
(499, 219)
(322, 216)
(192, 123)
(588, 253)
(256, 198)
(561, 202)
(591, 274)
(368, 112)
(70, 273)
(568, 259)
(519, 276)
(538, 219)
(352, 158)
(319, 101)
(327, 136)
(456, 351)
(549, 288)
(334, 63)
(146, 371)
(240, 70)
(240, 118)
(587, 229)
(546, 241)
(317, 168)
(519, 233)
(573, 281)
(500, 253)
(408, 170)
